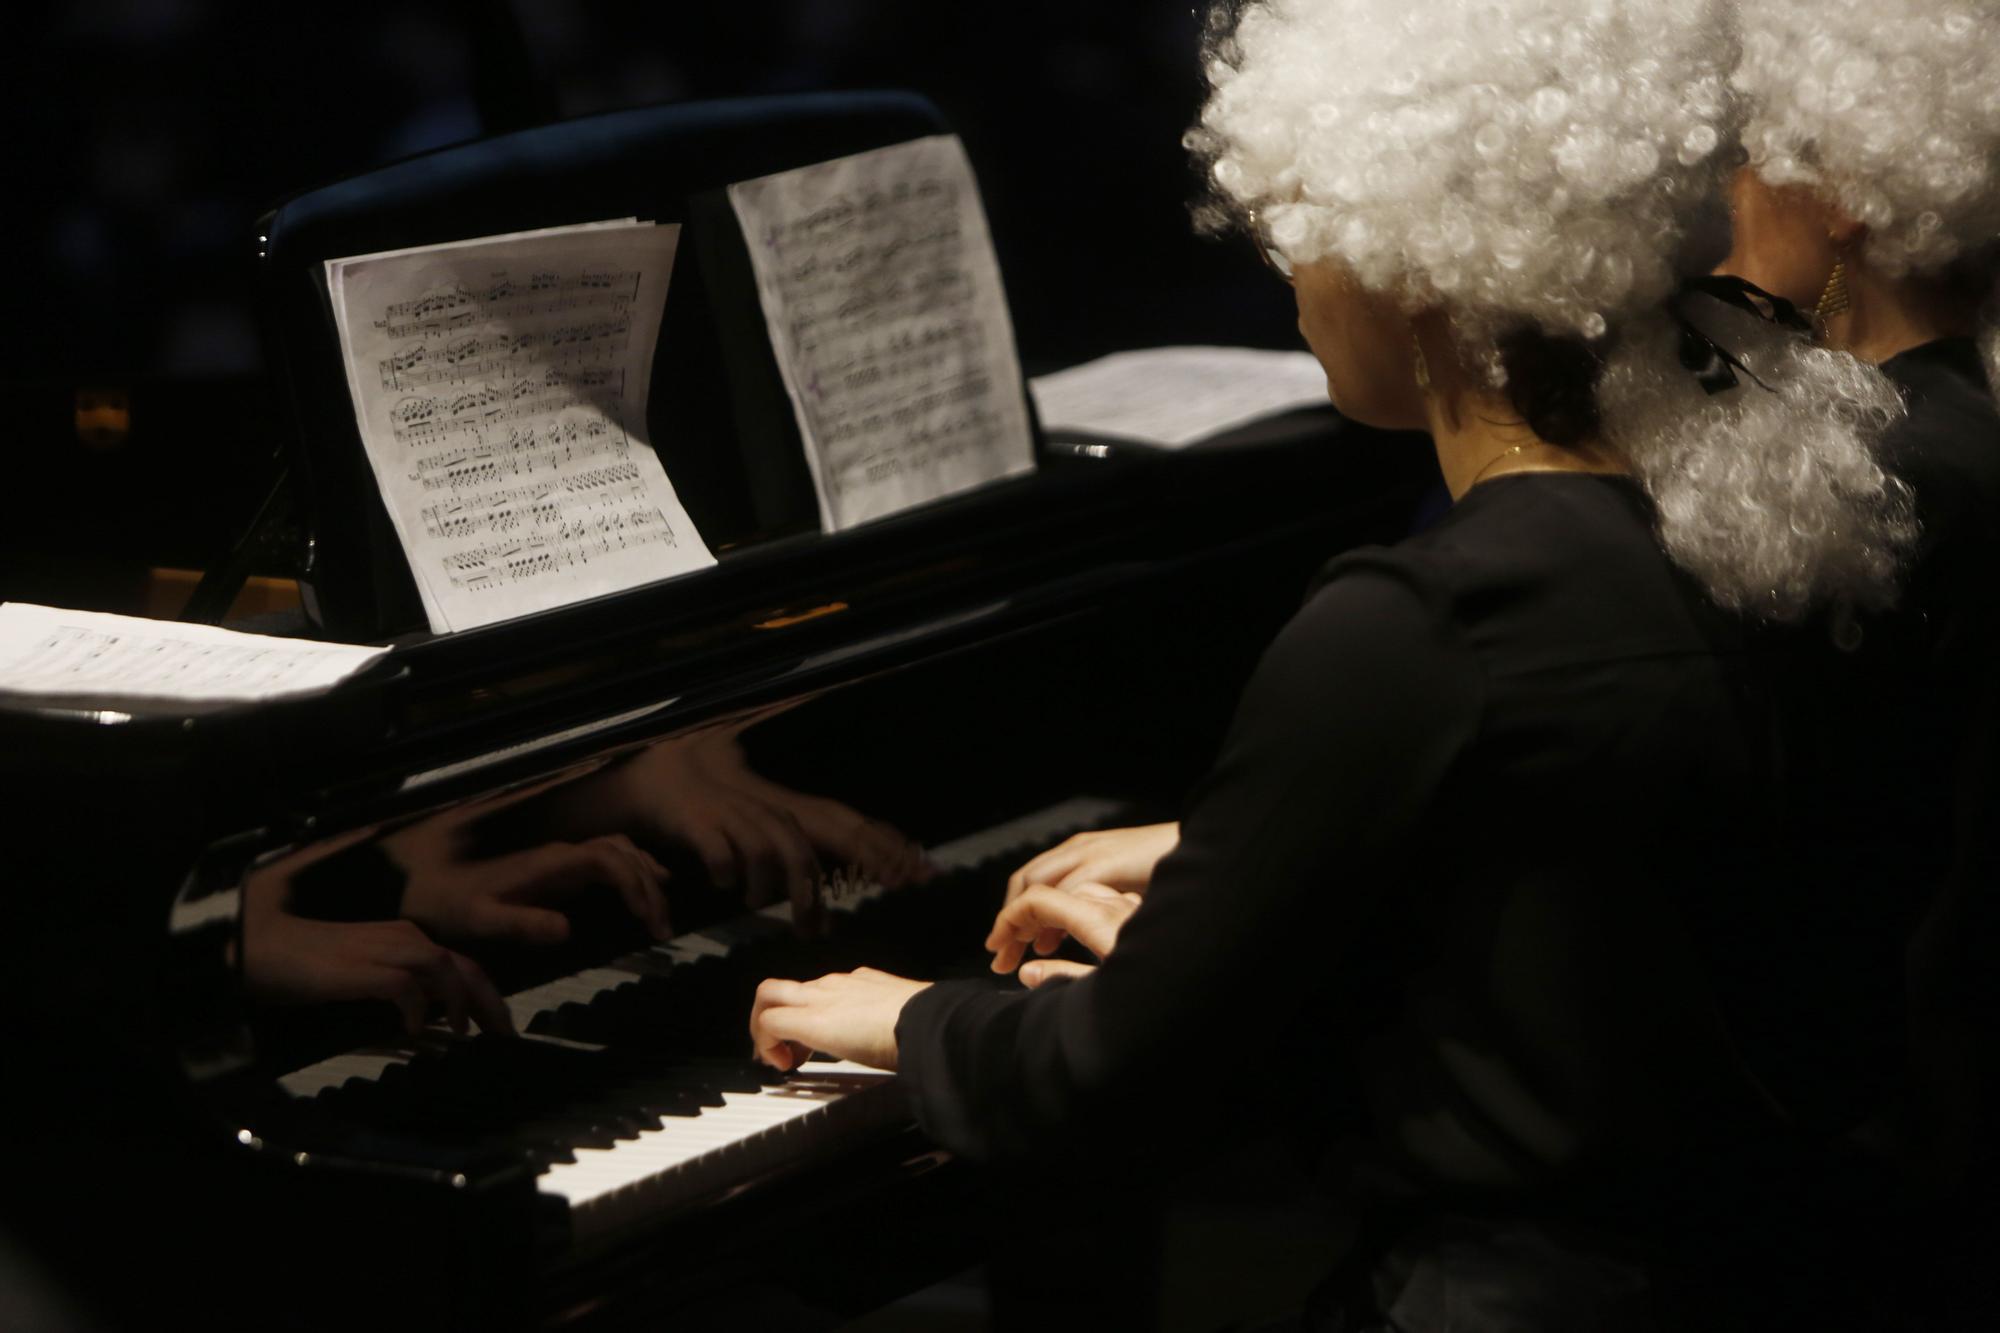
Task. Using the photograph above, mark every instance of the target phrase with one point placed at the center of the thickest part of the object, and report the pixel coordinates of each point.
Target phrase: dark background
(148, 136)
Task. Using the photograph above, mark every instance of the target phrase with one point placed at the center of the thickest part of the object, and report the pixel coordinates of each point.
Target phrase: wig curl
(1889, 107)
(1772, 497)
(1553, 167)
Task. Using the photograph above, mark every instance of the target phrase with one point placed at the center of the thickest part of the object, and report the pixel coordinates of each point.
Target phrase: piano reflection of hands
(289, 959)
(508, 896)
(698, 791)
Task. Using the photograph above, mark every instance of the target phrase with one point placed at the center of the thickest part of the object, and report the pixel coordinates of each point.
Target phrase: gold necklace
(1496, 460)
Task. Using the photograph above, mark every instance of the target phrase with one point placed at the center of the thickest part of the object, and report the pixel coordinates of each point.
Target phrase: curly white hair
(1891, 107)
(1556, 164)
(1511, 159)
(1772, 495)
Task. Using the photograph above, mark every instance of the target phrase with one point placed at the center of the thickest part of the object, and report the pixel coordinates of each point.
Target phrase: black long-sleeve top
(1947, 448)
(1888, 771)
(1459, 838)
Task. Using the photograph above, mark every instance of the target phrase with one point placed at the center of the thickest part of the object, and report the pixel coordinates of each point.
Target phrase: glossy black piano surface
(975, 680)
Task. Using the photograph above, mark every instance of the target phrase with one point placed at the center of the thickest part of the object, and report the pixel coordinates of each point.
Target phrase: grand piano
(891, 718)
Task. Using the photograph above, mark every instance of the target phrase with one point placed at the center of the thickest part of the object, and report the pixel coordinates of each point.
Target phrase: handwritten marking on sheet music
(501, 386)
(878, 280)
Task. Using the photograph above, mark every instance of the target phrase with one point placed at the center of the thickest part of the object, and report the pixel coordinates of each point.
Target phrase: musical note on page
(500, 385)
(882, 294)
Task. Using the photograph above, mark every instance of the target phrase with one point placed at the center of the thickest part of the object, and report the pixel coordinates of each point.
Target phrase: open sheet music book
(500, 386)
(54, 658)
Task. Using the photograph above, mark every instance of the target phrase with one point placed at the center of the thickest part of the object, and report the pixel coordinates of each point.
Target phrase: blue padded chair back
(720, 417)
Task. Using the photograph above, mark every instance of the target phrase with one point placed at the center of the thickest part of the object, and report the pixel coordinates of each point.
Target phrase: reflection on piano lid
(1086, 634)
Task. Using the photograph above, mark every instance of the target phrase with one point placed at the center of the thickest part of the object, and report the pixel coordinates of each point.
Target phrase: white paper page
(500, 385)
(1177, 395)
(882, 293)
(432, 612)
(47, 652)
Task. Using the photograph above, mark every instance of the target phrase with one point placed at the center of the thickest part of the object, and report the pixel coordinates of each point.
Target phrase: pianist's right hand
(1042, 916)
(1118, 858)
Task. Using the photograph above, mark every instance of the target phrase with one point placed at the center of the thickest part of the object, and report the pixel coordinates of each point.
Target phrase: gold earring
(1833, 298)
(1423, 366)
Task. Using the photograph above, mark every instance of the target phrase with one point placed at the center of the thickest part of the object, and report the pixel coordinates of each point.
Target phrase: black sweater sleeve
(1338, 745)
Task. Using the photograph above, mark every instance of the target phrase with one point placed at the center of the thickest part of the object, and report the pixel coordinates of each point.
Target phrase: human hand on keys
(851, 1015)
(1041, 916)
(1121, 859)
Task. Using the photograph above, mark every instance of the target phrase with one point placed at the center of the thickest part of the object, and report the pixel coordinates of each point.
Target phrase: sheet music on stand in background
(1177, 396)
(500, 385)
(52, 657)
(879, 284)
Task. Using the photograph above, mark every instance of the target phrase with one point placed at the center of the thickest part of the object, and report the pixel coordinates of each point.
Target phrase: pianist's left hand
(848, 1014)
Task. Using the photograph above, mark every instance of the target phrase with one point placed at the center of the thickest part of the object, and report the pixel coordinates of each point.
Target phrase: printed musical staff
(567, 544)
(501, 355)
(550, 503)
(428, 417)
(523, 453)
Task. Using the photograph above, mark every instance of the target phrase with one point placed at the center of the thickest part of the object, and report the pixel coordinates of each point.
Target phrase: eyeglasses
(1273, 259)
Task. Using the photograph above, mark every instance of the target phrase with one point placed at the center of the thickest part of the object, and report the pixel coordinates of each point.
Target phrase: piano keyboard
(629, 1088)
(750, 1135)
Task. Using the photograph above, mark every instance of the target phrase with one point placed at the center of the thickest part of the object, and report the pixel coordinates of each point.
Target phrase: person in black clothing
(1878, 208)
(1454, 882)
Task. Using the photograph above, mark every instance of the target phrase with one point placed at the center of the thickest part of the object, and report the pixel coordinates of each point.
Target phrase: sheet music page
(882, 292)
(500, 385)
(1175, 396)
(48, 653)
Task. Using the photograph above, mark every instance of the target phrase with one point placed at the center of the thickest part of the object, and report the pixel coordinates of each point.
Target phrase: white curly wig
(1891, 107)
(1556, 165)
(1510, 159)
(1773, 497)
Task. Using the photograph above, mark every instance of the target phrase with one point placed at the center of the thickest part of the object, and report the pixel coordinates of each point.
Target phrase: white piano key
(682, 1145)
